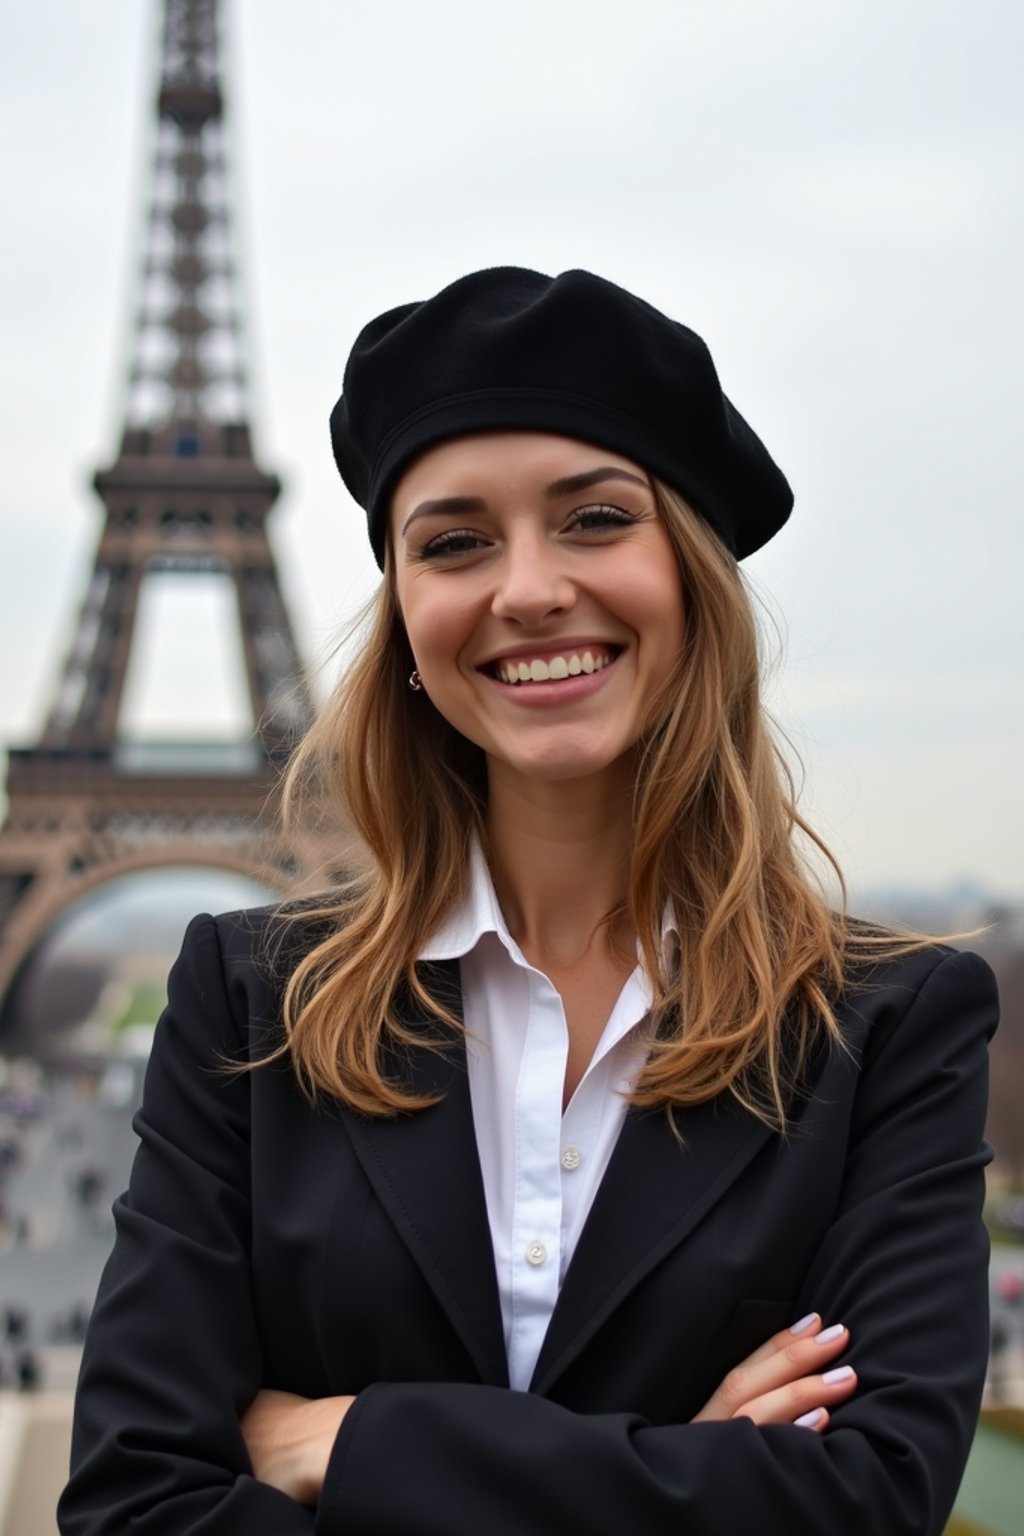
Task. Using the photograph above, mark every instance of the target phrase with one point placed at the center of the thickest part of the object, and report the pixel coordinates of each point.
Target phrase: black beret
(575, 354)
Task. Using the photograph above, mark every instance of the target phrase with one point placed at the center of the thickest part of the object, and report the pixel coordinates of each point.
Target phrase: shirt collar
(476, 914)
(479, 913)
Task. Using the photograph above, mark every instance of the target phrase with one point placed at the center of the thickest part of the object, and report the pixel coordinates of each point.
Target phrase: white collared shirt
(541, 1168)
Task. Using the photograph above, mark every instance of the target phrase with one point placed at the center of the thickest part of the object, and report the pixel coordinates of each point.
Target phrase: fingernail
(808, 1420)
(804, 1323)
(841, 1373)
(829, 1335)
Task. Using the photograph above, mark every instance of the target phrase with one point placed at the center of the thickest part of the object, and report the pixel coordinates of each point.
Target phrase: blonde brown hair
(764, 955)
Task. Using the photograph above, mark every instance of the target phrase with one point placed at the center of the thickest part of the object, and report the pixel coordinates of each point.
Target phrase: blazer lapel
(426, 1173)
(653, 1194)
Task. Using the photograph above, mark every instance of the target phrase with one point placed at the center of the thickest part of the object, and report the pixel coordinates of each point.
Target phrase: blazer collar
(426, 1173)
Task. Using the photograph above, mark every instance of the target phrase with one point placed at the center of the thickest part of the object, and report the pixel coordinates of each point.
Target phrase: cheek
(656, 601)
(436, 626)
(670, 592)
(662, 629)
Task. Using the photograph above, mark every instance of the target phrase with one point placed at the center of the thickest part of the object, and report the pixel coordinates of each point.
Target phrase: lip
(549, 695)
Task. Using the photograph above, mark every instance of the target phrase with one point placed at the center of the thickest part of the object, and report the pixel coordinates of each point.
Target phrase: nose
(531, 581)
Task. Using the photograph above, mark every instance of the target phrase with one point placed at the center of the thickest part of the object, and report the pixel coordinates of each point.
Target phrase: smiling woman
(545, 625)
(576, 1166)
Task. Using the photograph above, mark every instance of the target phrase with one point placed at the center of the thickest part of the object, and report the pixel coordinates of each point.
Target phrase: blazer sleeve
(172, 1357)
(904, 1264)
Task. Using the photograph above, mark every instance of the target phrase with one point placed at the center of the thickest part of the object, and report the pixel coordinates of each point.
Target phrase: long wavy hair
(764, 953)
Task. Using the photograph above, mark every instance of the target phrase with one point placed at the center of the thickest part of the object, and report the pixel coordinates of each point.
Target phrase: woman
(578, 1168)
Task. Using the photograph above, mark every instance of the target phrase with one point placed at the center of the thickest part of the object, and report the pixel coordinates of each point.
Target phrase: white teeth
(555, 670)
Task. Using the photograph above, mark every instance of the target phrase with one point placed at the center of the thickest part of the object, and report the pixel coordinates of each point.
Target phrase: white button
(571, 1158)
(536, 1253)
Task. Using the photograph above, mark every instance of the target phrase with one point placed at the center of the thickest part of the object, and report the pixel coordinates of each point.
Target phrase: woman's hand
(789, 1380)
(290, 1438)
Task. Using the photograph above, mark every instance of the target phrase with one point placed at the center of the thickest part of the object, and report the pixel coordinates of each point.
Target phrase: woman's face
(541, 596)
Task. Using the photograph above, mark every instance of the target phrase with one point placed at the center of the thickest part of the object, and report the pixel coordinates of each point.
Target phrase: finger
(787, 1356)
(792, 1360)
(784, 1360)
(817, 1419)
(791, 1403)
(783, 1346)
(808, 1327)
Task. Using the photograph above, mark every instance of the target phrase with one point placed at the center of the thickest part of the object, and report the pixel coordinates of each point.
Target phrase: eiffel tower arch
(185, 495)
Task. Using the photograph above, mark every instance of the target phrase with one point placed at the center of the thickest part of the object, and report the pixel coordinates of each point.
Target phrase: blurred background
(830, 194)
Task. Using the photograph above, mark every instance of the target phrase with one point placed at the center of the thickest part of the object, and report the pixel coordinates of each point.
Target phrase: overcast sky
(830, 191)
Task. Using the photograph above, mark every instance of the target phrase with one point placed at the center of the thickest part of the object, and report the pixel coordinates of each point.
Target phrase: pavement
(35, 1436)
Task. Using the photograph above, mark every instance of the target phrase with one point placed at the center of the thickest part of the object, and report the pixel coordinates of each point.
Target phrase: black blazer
(266, 1243)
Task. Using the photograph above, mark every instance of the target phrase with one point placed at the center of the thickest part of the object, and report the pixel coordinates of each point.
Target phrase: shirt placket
(536, 1246)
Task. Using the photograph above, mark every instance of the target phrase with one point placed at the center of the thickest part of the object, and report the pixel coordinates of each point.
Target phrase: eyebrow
(568, 485)
(572, 483)
(453, 506)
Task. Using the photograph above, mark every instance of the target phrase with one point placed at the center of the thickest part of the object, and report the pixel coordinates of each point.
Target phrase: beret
(507, 348)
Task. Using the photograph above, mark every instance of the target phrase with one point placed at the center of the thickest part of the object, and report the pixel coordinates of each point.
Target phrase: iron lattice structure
(184, 495)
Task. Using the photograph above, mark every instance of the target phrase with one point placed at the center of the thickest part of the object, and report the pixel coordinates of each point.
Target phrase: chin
(562, 767)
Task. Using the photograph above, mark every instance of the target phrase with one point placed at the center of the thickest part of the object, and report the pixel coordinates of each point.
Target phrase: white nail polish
(804, 1323)
(829, 1335)
(808, 1420)
(841, 1373)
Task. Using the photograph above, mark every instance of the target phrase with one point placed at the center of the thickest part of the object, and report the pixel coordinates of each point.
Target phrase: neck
(559, 855)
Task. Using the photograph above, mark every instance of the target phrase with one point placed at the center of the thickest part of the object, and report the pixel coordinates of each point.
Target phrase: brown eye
(454, 541)
(601, 516)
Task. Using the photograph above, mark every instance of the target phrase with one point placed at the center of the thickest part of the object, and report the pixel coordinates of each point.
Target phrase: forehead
(487, 464)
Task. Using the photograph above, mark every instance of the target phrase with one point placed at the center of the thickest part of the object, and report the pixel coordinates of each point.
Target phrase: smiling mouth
(523, 670)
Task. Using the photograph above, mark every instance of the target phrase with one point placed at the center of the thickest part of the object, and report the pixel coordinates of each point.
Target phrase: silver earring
(415, 682)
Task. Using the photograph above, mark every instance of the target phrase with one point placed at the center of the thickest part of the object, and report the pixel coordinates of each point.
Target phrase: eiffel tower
(185, 495)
